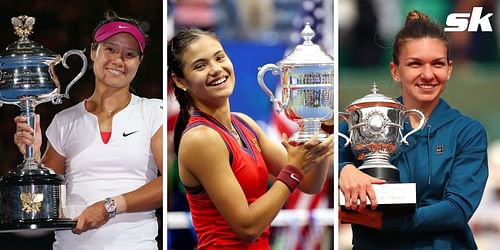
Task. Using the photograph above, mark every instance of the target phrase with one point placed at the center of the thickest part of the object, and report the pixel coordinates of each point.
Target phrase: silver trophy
(306, 76)
(375, 134)
(32, 196)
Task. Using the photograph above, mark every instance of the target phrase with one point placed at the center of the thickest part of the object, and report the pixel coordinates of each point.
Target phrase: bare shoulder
(200, 144)
(248, 120)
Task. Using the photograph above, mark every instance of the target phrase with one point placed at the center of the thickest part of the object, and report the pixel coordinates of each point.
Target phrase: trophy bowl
(375, 132)
(306, 77)
(32, 196)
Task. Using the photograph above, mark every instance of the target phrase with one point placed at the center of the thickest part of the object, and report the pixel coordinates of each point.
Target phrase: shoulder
(251, 122)
(203, 141)
(148, 103)
(70, 113)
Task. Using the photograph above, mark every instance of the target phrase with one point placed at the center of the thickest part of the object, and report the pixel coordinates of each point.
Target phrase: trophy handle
(57, 99)
(420, 124)
(260, 78)
(345, 116)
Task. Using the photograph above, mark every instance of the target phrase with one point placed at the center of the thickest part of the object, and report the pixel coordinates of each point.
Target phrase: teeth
(220, 81)
(426, 86)
(115, 72)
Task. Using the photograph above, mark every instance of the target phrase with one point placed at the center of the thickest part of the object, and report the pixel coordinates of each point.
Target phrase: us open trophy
(32, 196)
(306, 76)
(375, 134)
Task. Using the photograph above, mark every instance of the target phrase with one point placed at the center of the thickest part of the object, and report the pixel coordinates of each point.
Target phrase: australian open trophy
(306, 76)
(375, 134)
(32, 196)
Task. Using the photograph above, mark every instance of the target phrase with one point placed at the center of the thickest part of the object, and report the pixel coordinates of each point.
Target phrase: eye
(414, 64)
(131, 54)
(439, 64)
(199, 66)
(220, 58)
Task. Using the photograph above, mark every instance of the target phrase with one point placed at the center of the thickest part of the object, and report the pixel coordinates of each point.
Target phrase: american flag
(313, 236)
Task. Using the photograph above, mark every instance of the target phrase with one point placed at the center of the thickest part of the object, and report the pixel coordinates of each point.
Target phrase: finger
(37, 123)
(80, 225)
(347, 199)
(312, 142)
(374, 180)
(373, 198)
(362, 200)
(20, 119)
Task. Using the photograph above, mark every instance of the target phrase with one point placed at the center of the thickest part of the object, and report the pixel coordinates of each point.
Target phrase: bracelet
(291, 176)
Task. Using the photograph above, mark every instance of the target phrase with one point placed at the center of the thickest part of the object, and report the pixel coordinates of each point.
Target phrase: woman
(446, 159)
(224, 158)
(109, 147)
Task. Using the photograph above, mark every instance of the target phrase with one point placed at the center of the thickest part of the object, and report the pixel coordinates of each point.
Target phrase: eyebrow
(205, 59)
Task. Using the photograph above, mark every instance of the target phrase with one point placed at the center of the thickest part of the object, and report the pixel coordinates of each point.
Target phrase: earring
(184, 89)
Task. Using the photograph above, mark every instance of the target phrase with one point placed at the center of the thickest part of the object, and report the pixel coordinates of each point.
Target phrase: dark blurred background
(61, 26)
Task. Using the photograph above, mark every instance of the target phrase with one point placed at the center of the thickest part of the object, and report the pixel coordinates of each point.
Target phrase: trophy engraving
(32, 202)
(32, 195)
(307, 87)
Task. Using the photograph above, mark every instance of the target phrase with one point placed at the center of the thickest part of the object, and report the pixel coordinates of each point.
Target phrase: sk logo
(469, 21)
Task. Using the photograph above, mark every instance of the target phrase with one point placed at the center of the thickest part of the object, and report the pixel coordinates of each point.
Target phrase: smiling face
(116, 61)
(208, 72)
(423, 71)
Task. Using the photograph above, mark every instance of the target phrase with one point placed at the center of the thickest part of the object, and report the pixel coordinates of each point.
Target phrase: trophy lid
(25, 49)
(374, 99)
(307, 53)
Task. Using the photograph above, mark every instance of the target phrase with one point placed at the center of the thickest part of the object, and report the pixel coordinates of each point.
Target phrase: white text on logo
(462, 22)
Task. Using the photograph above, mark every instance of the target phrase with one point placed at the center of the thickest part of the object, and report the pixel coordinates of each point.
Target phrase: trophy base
(390, 175)
(39, 224)
(301, 138)
(392, 197)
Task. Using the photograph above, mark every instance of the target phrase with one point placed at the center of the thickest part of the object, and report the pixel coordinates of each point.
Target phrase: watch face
(110, 205)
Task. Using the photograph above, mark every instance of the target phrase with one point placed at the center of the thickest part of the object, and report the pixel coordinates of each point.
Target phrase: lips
(426, 87)
(115, 71)
(218, 82)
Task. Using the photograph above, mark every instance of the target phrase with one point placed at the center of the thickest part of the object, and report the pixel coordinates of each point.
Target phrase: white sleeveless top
(95, 170)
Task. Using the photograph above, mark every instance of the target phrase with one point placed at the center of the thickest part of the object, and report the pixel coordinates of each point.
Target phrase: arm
(462, 193)
(211, 169)
(276, 155)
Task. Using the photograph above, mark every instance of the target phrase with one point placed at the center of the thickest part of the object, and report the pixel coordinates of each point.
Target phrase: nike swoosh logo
(122, 27)
(294, 177)
(127, 134)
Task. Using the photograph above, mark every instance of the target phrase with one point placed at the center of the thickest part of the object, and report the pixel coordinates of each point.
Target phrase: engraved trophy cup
(32, 196)
(306, 76)
(375, 134)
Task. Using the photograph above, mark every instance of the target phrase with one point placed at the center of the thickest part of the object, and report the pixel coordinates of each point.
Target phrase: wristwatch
(110, 206)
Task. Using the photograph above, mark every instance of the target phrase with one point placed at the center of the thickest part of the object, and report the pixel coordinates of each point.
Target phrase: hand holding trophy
(31, 195)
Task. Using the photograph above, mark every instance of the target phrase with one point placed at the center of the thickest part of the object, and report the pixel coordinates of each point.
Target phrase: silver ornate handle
(345, 116)
(420, 124)
(260, 78)
(58, 99)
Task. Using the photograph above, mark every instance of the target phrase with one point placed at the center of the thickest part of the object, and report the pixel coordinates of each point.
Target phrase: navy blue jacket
(447, 160)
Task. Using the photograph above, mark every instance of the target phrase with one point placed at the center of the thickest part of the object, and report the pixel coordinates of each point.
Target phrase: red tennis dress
(251, 172)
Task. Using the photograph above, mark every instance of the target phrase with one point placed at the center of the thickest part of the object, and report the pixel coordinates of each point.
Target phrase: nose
(215, 69)
(427, 73)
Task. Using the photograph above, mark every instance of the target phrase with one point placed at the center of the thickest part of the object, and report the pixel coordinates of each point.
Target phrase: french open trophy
(375, 134)
(32, 196)
(306, 76)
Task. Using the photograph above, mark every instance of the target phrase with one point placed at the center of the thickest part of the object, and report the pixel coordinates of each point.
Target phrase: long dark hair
(177, 46)
(418, 25)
